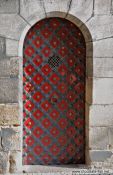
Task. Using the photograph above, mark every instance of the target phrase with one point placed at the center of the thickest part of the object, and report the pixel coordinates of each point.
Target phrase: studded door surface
(53, 94)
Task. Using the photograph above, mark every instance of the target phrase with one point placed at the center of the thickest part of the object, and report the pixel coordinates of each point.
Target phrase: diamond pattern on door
(54, 94)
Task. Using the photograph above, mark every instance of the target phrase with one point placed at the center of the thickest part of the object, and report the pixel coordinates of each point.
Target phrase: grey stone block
(100, 67)
(4, 68)
(8, 90)
(102, 7)
(9, 114)
(10, 139)
(100, 26)
(101, 115)
(103, 91)
(11, 47)
(101, 48)
(11, 25)
(111, 137)
(2, 47)
(9, 6)
(14, 66)
(31, 8)
(83, 10)
(100, 156)
(9, 67)
(4, 162)
(98, 138)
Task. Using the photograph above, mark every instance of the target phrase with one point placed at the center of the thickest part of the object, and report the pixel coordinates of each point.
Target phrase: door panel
(54, 57)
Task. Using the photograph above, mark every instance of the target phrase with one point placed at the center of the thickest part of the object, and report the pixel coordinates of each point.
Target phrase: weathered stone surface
(8, 90)
(31, 8)
(9, 114)
(15, 159)
(14, 66)
(9, 6)
(100, 67)
(102, 7)
(100, 26)
(100, 156)
(101, 49)
(101, 115)
(11, 47)
(4, 67)
(57, 6)
(11, 25)
(98, 138)
(10, 139)
(111, 136)
(2, 47)
(103, 91)
(4, 162)
(82, 9)
(9, 67)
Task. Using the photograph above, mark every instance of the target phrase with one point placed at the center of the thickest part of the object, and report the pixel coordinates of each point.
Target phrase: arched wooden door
(54, 93)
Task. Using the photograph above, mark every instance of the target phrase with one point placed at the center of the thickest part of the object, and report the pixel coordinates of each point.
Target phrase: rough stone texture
(102, 67)
(4, 67)
(14, 66)
(8, 90)
(57, 6)
(98, 138)
(9, 114)
(111, 137)
(101, 48)
(10, 139)
(101, 115)
(9, 6)
(102, 7)
(11, 25)
(100, 26)
(82, 9)
(102, 90)
(2, 47)
(4, 163)
(14, 160)
(9, 67)
(31, 8)
(100, 156)
(11, 47)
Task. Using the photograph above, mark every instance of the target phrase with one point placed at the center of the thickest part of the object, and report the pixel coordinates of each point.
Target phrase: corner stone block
(101, 115)
(8, 90)
(100, 26)
(10, 139)
(83, 10)
(98, 138)
(12, 47)
(31, 8)
(4, 162)
(11, 25)
(102, 7)
(9, 114)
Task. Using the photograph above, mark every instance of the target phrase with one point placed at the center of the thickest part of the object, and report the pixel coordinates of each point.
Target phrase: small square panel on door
(54, 57)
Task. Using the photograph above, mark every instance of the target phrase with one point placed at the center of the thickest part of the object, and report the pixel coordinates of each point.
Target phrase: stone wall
(16, 17)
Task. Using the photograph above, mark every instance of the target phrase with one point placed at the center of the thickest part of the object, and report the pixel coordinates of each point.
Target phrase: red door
(54, 93)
